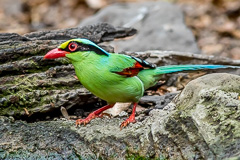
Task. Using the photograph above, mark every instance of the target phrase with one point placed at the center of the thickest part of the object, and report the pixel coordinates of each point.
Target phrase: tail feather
(179, 68)
(149, 77)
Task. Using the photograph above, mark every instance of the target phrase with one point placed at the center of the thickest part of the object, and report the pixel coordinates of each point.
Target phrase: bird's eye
(72, 46)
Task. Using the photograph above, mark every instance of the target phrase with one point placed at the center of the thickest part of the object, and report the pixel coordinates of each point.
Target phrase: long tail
(179, 68)
(149, 77)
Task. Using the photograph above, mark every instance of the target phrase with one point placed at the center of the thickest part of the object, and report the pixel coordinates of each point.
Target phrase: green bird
(114, 77)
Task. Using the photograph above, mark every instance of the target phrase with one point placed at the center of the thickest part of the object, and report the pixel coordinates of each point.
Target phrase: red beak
(55, 53)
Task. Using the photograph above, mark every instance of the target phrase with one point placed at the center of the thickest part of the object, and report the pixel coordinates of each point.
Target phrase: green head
(75, 47)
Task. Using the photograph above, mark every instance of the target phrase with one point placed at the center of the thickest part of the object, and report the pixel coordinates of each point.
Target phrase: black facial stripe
(85, 47)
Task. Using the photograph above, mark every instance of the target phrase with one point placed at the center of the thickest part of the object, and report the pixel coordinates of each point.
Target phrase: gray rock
(212, 103)
(159, 101)
(160, 26)
(204, 125)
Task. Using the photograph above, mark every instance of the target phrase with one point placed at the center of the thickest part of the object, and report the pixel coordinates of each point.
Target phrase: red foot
(95, 114)
(88, 119)
(131, 119)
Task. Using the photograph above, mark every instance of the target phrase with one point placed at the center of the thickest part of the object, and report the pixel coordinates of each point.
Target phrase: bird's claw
(89, 118)
(127, 121)
(82, 121)
(86, 120)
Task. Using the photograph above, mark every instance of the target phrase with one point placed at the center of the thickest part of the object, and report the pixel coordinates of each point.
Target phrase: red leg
(131, 118)
(95, 114)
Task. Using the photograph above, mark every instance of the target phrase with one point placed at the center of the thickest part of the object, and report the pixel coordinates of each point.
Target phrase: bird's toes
(124, 124)
(78, 122)
(131, 119)
(81, 121)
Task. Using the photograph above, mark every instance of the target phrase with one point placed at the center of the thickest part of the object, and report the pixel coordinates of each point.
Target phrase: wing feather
(129, 66)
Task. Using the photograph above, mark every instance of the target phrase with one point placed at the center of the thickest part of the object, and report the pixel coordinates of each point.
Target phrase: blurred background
(214, 23)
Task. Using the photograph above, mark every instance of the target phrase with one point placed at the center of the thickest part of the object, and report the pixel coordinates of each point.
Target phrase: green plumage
(97, 72)
(115, 77)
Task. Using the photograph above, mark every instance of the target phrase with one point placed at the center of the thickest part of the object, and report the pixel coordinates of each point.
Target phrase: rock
(160, 26)
(212, 104)
(159, 101)
(208, 87)
(204, 125)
